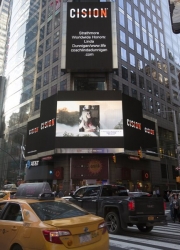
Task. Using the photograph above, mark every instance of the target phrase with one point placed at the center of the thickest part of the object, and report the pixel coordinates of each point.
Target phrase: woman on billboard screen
(175, 15)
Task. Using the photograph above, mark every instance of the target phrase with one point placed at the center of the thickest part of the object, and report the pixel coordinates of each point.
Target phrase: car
(36, 220)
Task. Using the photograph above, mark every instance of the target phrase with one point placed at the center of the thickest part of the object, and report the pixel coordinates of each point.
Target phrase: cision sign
(89, 37)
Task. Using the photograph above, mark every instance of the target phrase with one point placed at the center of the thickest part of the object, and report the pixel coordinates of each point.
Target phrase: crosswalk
(161, 237)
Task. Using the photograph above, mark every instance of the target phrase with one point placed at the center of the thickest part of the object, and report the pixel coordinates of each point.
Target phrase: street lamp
(21, 156)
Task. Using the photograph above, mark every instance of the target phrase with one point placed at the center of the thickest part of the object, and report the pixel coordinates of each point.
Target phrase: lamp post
(22, 146)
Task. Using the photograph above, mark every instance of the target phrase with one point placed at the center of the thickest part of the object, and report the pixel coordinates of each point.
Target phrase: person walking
(175, 207)
(170, 198)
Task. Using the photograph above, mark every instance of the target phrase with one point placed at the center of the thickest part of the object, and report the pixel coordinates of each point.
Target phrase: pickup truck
(121, 209)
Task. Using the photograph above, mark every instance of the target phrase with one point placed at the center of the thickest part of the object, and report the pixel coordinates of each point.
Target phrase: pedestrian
(60, 194)
(175, 207)
(170, 198)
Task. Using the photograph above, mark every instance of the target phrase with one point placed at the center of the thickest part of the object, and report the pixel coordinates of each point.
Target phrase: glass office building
(148, 70)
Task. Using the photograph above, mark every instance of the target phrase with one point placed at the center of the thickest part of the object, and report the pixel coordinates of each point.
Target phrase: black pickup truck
(120, 208)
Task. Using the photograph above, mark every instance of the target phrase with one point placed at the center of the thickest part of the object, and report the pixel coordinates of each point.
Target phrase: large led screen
(89, 37)
(89, 119)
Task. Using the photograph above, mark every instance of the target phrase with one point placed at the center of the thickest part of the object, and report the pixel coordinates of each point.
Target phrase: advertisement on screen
(174, 7)
(89, 37)
(89, 119)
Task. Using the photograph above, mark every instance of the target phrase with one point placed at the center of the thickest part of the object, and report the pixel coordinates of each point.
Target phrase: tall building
(146, 58)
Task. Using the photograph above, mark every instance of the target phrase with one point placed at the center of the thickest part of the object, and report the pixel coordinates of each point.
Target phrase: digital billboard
(89, 118)
(132, 121)
(174, 8)
(89, 37)
(149, 136)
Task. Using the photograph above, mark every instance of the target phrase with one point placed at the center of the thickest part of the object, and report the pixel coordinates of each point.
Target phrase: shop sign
(58, 173)
(94, 166)
(145, 175)
(32, 164)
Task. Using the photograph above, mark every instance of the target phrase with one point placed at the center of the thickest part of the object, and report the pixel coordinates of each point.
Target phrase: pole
(176, 139)
(22, 145)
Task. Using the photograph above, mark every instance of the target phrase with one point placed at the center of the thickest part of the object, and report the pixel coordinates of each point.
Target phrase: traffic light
(114, 158)
(178, 179)
(140, 153)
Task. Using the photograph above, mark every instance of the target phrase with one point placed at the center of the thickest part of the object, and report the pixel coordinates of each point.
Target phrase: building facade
(147, 69)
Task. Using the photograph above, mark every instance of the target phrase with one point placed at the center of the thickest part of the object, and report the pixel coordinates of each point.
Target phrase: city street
(161, 237)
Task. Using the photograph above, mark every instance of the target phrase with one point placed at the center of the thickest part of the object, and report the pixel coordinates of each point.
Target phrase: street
(161, 237)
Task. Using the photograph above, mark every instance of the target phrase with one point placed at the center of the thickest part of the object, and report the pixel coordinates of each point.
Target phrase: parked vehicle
(121, 208)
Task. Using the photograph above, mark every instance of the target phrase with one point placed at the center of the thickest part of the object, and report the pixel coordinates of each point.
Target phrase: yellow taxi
(35, 220)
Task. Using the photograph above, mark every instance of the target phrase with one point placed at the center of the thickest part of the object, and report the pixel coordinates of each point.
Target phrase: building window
(147, 70)
(140, 65)
(141, 82)
(131, 43)
(146, 55)
(154, 74)
(40, 50)
(156, 92)
(134, 93)
(46, 78)
(151, 108)
(57, 21)
(123, 54)
(157, 107)
(166, 82)
(63, 85)
(133, 77)
(37, 102)
(45, 94)
(125, 89)
(56, 37)
(41, 34)
(47, 61)
(132, 59)
(43, 16)
(115, 84)
(48, 43)
(54, 73)
(55, 54)
(149, 87)
(130, 25)
(122, 37)
(139, 50)
(38, 83)
(49, 27)
(124, 73)
(53, 89)
(39, 66)
(143, 100)
(121, 4)
(137, 29)
(162, 95)
(121, 19)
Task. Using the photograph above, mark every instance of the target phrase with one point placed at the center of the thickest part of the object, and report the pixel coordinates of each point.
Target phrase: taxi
(35, 220)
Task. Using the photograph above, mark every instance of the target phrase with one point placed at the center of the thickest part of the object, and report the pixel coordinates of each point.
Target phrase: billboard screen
(174, 7)
(89, 122)
(89, 118)
(89, 37)
(149, 136)
(132, 120)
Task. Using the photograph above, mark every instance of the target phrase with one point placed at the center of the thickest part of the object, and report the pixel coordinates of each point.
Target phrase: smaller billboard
(174, 8)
